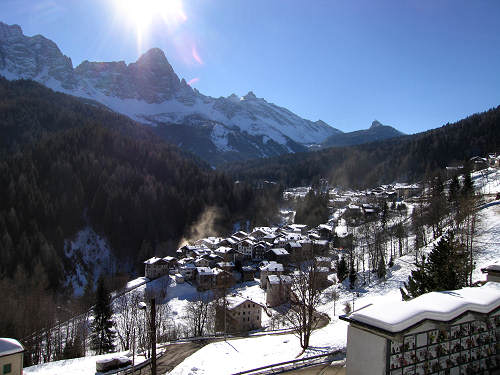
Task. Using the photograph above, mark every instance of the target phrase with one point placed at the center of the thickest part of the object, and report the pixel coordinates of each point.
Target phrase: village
(271, 255)
(256, 273)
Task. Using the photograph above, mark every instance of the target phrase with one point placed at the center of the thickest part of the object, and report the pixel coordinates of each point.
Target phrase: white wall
(366, 352)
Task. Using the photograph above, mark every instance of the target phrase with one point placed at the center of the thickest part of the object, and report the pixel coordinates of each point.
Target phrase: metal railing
(295, 364)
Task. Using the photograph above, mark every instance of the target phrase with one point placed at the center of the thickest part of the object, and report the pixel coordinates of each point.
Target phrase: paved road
(175, 354)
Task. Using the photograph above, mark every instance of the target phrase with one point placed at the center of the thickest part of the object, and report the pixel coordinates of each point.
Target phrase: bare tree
(333, 295)
(305, 298)
(198, 314)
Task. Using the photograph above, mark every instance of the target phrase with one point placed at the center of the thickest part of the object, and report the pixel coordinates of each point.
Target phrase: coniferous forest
(77, 164)
(406, 159)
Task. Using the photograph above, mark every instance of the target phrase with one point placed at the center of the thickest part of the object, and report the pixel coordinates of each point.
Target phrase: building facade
(454, 333)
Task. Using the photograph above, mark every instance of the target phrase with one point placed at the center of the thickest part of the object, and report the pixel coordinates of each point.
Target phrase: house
(240, 235)
(226, 266)
(479, 163)
(188, 271)
(320, 246)
(204, 278)
(225, 252)
(259, 250)
(271, 268)
(239, 315)
(322, 277)
(155, 267)
(214, 259)
(11, 356)
(325, 231)
(293, 248)
(248, 273)
(492, 272)
(451, 332)
(223, 279)
(246, 247)
(278, 255)
(278, 290)
(229, 242)
(202, 262)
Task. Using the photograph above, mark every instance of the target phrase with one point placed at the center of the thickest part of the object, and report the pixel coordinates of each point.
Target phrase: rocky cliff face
(149, 91)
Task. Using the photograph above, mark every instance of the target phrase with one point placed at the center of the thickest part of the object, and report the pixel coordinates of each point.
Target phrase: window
(7, 368)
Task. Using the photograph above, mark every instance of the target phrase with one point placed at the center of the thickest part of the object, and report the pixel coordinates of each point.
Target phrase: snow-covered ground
(77, 366)
(233, 356)
(90, 256)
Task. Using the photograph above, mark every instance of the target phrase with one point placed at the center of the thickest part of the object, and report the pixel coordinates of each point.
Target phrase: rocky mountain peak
(376, 124)
(154, 57)
(9, 31)
(250, 96)
(233, 98)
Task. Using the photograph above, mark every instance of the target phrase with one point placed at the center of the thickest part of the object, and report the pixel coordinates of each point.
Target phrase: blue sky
(412, 64)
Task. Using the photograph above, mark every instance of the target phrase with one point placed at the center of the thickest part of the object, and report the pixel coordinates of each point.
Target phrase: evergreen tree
(454, 189)
(352, 275)
(381, 271)
(468, 185)
(341, 269)
(445, 269)
(103, 334)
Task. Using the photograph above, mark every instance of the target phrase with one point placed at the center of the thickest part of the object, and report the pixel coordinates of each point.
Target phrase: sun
(142, 14)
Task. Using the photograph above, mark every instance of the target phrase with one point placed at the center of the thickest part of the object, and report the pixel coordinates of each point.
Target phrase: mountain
(79, 166)
(407, 158)
(149, 91)
(376, 132)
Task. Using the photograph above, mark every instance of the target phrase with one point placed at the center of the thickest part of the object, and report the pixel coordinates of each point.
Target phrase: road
(175, 354)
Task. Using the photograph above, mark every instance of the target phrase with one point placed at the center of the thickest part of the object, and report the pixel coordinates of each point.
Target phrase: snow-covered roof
(233, 302)
(279, 251)
(10, 346)
(154, 260)
(223, 249)
(491, 268)
(440, 306)
(275, 267)
(204, 271)
(283, 279)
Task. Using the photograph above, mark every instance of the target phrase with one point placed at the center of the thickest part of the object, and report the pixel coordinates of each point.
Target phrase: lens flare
(196, 55)
(142, 14)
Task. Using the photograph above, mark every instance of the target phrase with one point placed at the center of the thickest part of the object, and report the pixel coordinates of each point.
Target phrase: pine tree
(468, 185)
(341, 269)
(103, 335)
(352, 275)
(445, 269)
(381, 271)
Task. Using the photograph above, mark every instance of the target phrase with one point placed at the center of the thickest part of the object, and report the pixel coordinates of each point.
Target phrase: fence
(292, 365)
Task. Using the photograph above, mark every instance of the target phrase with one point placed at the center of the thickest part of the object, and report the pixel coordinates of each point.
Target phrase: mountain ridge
(149, 91)
(376, 132)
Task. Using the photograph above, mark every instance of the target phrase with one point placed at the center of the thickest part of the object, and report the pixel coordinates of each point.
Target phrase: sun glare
(142, 14)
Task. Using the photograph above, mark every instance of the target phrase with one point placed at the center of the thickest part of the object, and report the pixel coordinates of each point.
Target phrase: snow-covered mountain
(149, 91)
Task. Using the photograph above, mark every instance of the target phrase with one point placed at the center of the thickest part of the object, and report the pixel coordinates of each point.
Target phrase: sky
(412, 64)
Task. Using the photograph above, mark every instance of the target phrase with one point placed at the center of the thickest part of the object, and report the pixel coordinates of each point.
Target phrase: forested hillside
(407, 158)
(90, 167)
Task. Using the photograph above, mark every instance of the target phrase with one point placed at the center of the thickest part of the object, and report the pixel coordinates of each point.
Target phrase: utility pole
(153, 336)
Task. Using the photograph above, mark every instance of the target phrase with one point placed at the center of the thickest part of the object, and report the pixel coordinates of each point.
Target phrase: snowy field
(77, 366)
